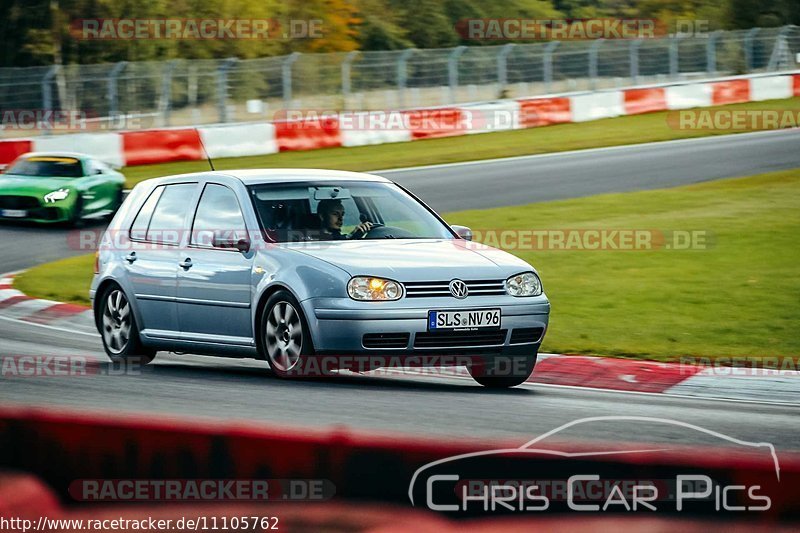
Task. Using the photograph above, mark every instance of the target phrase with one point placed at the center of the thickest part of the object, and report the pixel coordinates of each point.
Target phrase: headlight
(525, 284)
(55, 196)
(370, 289)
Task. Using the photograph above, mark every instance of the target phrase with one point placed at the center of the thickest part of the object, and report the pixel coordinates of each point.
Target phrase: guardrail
(318, 130)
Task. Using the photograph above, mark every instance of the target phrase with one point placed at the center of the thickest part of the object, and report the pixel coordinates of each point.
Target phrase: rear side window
(219, 221)
(142, 220)
(167, 223)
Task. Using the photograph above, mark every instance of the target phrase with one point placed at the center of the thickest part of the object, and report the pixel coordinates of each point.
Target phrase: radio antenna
(203, 146)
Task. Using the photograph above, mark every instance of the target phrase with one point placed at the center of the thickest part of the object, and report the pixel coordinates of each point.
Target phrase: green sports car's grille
(19, 202)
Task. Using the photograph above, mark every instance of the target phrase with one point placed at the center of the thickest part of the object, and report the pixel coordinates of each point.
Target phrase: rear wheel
(503, 371)
(285, 339)
(119, 330)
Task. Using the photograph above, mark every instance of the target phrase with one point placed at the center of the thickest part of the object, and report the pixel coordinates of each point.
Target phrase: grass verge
(740, 296)
(649, 127)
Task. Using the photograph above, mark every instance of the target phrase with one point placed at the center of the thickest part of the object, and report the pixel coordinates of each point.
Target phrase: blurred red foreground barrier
(60, 446)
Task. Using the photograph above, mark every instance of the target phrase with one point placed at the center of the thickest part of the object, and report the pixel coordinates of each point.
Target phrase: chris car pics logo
(537, 477)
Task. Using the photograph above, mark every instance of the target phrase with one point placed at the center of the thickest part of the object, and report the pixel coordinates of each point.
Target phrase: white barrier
(106, 147)
(772, 88)
(365, 128)
(237, 140)
(491, 116)
(595, 106)
(688, 96)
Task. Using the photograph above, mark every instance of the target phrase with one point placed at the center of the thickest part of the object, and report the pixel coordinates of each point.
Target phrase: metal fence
(181, 92)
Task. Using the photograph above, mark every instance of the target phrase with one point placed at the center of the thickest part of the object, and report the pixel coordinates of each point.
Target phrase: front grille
(19, 202)
(438, 289)
(460, 339)
(526, 335)
(385, 340)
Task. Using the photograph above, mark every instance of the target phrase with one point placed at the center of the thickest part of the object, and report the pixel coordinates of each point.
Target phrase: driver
(331, 214)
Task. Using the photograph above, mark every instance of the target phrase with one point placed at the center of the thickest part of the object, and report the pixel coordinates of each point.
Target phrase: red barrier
(796, 84)
(730, 92)
(10, 150)
(544, 111)
(432, 123)
(308, 134)
(25, 496)
(72, 445)
(161, 146)
(639, 101)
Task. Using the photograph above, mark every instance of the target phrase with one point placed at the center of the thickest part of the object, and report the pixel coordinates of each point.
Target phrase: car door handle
(186, 264)
(131, 257)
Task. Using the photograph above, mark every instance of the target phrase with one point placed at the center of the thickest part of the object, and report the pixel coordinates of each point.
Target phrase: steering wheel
(382, 231)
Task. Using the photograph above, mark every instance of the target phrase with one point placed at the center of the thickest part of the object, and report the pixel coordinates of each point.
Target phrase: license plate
(14, 213)
(466, 320)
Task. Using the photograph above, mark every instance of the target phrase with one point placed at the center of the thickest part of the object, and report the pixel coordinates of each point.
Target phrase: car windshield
(325, 211)
(47, 167)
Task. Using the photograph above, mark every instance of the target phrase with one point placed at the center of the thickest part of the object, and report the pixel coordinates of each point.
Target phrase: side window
(167, 223)
(142, 220)
(219, 221)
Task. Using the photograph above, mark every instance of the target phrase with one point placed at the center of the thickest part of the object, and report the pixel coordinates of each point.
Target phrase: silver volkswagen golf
(312, 271)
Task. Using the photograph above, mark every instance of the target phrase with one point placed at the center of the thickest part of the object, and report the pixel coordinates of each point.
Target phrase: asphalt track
(190, 386)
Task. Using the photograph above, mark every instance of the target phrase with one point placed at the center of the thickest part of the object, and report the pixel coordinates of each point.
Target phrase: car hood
(27, 185)
(416, 260)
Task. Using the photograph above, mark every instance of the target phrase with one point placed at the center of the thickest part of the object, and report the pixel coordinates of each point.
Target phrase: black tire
(117, 204)
(76, 217)
(119, 330)
(503, 372)
(285, 341)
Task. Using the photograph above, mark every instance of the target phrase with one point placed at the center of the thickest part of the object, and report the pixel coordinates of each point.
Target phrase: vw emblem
(458, 289)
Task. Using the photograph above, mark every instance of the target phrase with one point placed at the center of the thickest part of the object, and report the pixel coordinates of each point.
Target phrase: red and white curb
(589, 372)
(15, 305)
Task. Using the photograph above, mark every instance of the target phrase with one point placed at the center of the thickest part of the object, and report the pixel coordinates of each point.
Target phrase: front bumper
(44, 215)
(339, 326)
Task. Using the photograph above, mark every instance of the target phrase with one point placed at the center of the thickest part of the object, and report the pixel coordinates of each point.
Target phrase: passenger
(331, 214)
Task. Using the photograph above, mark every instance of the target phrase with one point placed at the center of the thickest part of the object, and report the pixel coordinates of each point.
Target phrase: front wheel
(120, 332)
(503, 372)
(285, 339)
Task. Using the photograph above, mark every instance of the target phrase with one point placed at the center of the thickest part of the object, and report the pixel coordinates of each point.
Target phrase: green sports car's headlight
(55, 196)
(525, 284)
(365, 288)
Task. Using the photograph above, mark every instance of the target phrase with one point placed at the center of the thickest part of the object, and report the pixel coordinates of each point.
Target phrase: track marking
(55, 328)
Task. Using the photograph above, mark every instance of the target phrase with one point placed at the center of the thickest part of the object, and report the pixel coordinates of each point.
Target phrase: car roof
(257, 176)
(75, 155)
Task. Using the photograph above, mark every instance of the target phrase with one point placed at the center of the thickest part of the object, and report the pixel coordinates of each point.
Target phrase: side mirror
(463, 232)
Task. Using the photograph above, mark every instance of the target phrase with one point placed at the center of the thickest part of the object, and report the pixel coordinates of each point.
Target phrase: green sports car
(59, 187)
